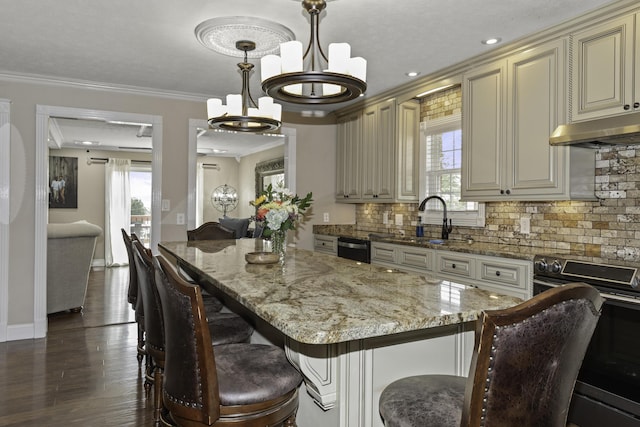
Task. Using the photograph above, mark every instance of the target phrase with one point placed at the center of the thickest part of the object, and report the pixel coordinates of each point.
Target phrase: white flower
(275, 218)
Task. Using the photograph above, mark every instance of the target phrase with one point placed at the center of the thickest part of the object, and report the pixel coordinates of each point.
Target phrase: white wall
(315, 171)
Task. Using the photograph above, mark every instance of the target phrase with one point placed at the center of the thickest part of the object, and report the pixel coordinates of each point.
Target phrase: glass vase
(279, 243)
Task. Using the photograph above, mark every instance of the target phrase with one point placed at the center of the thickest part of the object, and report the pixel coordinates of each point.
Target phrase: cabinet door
(378, 146)
(483, 130)
(602, 76)
(408, 150)
(348, 159)
(536, 107)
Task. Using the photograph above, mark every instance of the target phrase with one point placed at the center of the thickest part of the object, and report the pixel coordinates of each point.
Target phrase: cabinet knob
(498, 273)
(636, 105)
(453, 266)
(508, 191)
(627, 107)
(501, 191)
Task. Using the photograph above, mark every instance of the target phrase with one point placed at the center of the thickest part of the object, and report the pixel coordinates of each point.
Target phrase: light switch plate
(525, 225)
(166, 205)
(399, 220)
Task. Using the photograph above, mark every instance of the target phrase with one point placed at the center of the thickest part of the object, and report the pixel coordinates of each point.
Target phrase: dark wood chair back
(189, 352)
(132, 290)
(527, 359)
(153, 320)
(211, 231)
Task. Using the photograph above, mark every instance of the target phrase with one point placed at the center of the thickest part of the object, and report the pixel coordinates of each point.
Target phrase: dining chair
(226, 328)
(132, 294)
(211, 231)
(248, 385)
(523, 370)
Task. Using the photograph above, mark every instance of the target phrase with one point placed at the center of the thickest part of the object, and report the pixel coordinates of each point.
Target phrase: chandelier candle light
(312, 78)
(241, 112)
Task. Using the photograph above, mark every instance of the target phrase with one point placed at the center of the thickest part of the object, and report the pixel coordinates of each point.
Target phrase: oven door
(607, 391)
(355, 249)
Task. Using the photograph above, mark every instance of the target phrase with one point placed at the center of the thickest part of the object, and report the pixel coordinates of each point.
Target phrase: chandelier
(312, 78)
(241, 114)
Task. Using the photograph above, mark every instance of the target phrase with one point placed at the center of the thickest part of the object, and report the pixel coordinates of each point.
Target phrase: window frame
(432, 216)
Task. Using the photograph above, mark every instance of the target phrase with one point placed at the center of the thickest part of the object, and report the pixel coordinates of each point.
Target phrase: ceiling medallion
(221, 34)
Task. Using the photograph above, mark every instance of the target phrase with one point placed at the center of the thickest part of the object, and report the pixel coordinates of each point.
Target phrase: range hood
(618, 130)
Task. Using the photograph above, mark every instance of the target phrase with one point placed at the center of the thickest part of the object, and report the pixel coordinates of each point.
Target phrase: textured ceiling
(151, 43)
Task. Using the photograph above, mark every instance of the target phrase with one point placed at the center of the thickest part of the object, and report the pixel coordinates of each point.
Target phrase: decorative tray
(261, 257)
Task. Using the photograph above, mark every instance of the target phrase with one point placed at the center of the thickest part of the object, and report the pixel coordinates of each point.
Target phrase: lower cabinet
(326, 244)
(507, 276)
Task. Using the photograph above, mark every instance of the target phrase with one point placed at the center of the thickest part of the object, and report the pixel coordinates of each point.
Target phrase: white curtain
(117, 211)
(199, 195)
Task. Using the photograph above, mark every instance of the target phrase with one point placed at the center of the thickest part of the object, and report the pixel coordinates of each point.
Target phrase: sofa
(70, 249)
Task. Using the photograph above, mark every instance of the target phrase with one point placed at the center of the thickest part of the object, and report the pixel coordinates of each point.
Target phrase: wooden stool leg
(157, 395)
(141, 351)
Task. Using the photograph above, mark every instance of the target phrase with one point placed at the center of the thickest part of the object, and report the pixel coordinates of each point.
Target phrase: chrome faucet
(446, 229)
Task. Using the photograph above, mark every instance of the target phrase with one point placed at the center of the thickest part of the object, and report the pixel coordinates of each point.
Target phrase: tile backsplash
(608, 228)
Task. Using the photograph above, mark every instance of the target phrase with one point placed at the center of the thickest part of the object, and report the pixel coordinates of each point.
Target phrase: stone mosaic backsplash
(608, 229)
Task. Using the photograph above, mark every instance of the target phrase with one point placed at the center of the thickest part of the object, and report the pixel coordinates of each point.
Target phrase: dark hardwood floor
(85, 372)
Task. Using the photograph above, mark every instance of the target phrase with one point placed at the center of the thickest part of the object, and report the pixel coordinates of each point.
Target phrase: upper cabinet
(605, 78)
(377, 153)
(349, 163)
(510, 107)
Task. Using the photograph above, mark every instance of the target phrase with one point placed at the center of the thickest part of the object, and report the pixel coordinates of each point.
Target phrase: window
(441, 162)
(140, 184)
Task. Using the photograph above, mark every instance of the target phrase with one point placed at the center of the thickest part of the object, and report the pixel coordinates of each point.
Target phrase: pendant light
(241, 114)
(312, 78)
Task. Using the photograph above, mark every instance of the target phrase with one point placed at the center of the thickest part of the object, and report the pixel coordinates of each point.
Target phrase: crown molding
(105, 87)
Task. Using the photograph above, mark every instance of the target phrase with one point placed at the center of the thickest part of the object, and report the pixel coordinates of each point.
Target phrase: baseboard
(98, 263)
(25, 331)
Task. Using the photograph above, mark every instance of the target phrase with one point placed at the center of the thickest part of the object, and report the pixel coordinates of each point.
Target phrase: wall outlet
(399, 220)
(325, 217)
(525, 225)
(166, 205)
(180, 219)
(385, 217)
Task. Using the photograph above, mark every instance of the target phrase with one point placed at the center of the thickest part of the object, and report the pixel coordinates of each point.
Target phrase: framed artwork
(63, 182)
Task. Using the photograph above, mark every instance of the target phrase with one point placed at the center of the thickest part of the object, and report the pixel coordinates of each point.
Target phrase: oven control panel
(550, 267)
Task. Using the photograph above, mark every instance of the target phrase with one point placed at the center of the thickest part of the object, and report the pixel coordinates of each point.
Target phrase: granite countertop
(478, 248)
(316, 298)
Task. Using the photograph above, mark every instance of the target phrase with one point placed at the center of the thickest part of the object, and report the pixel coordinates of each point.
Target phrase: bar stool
(234, 384)
(524, 367)
(225, 327)
(132, 293)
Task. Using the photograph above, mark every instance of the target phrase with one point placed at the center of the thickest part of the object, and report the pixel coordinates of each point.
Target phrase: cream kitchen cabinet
(325, 243)
(605, 78)
(348, 165)
(501, 275)
(377, 154)
(510, 107)
(378, 151)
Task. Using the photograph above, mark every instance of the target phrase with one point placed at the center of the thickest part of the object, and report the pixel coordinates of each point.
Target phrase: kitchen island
(350, 328)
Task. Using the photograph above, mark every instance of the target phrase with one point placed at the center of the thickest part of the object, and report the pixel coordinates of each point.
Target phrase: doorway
(43, 114)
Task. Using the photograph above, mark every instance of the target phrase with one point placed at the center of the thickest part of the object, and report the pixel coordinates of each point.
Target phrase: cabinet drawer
(416, 258)
(455, 264)
(328, 244)
(505, 274)
(383, 253)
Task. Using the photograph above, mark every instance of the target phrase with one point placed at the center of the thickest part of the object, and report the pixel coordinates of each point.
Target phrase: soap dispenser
(419, 228)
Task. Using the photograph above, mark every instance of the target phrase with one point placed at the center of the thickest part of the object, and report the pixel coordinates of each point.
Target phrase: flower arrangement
(278, 209)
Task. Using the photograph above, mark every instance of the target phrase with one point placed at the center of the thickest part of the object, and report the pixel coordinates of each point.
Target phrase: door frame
(43, 113)
(5, 212)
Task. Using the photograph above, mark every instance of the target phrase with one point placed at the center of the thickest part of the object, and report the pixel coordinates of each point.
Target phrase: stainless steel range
(607, 392)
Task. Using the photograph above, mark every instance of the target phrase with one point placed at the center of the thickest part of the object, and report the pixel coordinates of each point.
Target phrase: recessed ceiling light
(413, 73)
(493, 40)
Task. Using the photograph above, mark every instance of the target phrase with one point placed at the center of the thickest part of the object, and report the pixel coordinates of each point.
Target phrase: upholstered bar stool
(226, 327)
(246, 385)
(524, 367)
(132, 293)
(211, 231)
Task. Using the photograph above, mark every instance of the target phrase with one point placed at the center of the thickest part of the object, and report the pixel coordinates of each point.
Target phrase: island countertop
(316, 298)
